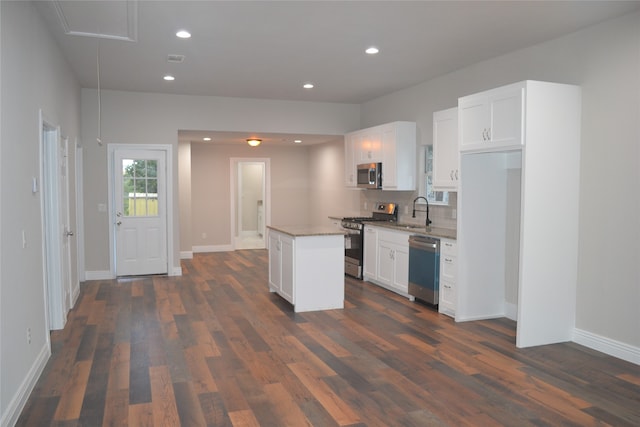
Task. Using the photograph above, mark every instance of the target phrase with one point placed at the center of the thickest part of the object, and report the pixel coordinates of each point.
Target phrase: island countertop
(307, 230)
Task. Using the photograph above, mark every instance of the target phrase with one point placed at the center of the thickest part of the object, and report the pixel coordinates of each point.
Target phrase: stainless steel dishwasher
(424, 268)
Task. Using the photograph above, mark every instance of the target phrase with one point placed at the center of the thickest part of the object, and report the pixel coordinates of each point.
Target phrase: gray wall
(605, 61)
(145, 118)
(34, 77)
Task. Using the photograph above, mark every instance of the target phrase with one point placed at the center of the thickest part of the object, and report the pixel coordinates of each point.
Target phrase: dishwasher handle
(424, 243)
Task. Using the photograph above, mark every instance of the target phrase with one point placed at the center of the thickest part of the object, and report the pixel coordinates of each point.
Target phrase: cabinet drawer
(397, 237)
(448, 247)
(448, 267)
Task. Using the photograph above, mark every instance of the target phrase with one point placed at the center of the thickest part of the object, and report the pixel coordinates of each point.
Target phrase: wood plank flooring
(215, 348)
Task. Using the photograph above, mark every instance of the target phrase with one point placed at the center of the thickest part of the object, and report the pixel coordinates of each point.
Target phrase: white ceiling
(268, 49)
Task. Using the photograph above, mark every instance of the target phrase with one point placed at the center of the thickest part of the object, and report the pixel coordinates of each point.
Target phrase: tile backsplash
(441, 216)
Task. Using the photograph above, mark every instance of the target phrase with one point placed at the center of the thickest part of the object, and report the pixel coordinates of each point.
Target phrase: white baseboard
(98, 275)
(16, 405)
(176, 271)
(212, 248)
(186, 254)
(607, 345)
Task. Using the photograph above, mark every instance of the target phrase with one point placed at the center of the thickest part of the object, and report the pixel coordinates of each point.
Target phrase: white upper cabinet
(445, 150)
(399, 156)
(393, 145)
(370, 145)
(492, 120)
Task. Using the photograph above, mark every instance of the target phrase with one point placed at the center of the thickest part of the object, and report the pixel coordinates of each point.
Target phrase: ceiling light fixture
(254, 142)
(308, 85)
(206, 138)
(297, 141)
(183, 34)
(169, 78)
(372, 50)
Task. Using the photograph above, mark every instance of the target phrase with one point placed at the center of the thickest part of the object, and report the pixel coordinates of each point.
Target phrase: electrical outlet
(28, 335)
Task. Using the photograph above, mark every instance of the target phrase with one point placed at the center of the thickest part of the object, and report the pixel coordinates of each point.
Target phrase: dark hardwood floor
(215, 348)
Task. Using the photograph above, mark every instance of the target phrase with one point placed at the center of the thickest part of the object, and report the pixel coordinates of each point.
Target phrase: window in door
(140, 187)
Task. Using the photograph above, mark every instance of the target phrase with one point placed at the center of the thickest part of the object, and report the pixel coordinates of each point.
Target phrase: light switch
(34, 184)
(102, 207)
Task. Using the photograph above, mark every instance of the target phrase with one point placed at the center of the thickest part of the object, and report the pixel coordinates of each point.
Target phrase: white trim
(607, 345)
(79, 156)
(186, 254)
(168, 150)
(212, 248)
(175, 271)
(98, 275)
(15, 407)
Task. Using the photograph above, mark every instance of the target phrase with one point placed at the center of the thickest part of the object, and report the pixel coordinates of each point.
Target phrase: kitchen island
(306, 266)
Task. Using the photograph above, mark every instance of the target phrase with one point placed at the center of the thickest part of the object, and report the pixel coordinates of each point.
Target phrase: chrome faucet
(428, 221)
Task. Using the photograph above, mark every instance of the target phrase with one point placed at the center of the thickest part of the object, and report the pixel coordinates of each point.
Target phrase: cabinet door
(350, 142)
(401, 269)
(389, 159)
(506, 117)
(274, 261)
(370, 260)
(445, 150)
(385, 262)
(473, 116)
(288, 269)
(370, 146)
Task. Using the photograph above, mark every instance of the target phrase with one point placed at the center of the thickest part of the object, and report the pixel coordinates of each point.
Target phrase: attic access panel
(115, 20)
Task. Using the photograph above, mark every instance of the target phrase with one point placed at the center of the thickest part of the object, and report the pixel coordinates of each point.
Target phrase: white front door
(140, 212)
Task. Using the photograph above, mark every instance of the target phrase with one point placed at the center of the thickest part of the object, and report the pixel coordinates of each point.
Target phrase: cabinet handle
(489, 134)
(484, 134)
(456, 174)
(451, 174)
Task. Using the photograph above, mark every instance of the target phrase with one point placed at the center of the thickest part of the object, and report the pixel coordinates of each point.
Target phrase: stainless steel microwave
(370, 175)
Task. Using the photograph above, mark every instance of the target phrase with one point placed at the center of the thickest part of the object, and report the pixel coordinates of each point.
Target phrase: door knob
(68, 233)
(119, 222)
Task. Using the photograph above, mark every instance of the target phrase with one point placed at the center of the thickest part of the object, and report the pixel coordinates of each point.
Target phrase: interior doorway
(55, 214)
(250, 204)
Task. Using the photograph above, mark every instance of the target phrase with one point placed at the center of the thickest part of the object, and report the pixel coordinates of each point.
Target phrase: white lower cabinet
(386, 258)
(307, 270)
(448, 275)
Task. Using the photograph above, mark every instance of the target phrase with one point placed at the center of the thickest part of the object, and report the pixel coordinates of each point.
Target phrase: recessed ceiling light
(206, 138)
(169, 78)
(372, 50)
(183, 34)
(308, 85)
(297, 141)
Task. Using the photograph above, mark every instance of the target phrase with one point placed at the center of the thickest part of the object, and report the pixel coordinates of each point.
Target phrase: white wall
(34, 77)
(144, 118)
(605, 61)
(328, 195)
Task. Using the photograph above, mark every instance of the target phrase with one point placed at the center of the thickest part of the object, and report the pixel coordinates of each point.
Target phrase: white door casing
(139, 214)
(235, 163)
(51, 225)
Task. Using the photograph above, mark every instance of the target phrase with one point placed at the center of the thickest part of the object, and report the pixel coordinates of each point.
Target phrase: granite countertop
(307, 230)
(445, 233)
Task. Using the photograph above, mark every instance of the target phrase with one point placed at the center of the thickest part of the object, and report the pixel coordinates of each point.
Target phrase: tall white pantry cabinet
(518, 208)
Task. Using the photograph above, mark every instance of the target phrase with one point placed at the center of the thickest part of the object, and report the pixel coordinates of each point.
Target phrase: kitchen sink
(413, 227)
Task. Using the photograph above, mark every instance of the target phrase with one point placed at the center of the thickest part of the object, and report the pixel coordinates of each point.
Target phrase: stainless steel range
(354, 239)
